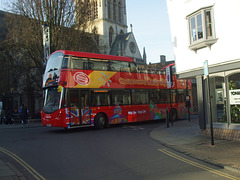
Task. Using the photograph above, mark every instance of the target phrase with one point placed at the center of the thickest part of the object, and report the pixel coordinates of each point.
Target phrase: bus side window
(133, 67)
(85, 65)
(126, 97)
(91, 66)
(100, 99)
(112, 66)
(117, 97)
(77, 63)
(65, 62)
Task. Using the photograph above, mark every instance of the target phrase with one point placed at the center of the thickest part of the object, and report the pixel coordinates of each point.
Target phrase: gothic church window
(124, 6)
(89, 12)
(119, 12)
(96, 36)
(114, 11)
(109, 9)
(95, 8)
(111, 32)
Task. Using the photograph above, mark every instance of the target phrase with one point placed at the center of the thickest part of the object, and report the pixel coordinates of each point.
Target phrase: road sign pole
(206, 75)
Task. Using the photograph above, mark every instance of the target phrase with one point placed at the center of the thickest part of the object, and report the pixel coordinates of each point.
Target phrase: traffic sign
(205, 68)
(168, 77)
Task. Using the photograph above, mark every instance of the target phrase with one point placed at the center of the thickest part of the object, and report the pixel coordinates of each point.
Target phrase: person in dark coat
(24, 114)
(2, 116)
(9, 116)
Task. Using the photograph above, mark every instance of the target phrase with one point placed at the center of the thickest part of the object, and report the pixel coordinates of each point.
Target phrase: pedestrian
(2, 116)
(9, 116)
(24, 114)
(21, 112)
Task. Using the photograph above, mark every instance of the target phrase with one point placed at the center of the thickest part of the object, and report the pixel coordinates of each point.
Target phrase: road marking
(32, 171)
(134, 128)
(198, 165)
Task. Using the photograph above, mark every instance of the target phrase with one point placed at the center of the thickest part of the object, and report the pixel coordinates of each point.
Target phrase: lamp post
(46, 42)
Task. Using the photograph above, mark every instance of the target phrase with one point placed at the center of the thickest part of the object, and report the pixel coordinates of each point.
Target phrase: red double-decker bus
(87, 89)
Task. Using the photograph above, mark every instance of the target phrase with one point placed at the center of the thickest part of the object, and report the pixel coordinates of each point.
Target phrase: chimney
(163, 59)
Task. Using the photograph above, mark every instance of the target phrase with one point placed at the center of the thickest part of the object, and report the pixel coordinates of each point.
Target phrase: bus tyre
(173, 115)
(100, 121)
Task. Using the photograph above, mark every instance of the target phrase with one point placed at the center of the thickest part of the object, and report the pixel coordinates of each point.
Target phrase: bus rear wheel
(100, 121)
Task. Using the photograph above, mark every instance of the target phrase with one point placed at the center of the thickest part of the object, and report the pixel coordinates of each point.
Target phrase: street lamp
(46, 42)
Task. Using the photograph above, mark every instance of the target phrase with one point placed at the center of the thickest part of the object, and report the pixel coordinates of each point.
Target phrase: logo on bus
(81, 78)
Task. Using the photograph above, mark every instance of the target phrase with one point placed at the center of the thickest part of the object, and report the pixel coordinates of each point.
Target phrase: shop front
(225, 105)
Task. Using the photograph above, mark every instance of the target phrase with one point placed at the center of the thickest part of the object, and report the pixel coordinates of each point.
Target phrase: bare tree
(25, 31)
(24, 42)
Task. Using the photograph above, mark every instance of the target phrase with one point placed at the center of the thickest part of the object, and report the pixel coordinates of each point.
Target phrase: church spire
(144, 56)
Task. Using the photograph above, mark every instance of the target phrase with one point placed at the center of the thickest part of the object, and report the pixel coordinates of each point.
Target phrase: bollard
(167, 119)
(188, 114)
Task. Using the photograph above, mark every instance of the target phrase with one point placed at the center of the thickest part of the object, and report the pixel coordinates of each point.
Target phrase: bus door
(74, 107)
(85, 107)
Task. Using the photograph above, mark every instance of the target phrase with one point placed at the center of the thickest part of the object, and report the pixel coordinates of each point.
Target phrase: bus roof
(168, 65)
(94, 55)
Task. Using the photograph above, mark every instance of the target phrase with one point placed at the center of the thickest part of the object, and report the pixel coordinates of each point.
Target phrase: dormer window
(201, 29)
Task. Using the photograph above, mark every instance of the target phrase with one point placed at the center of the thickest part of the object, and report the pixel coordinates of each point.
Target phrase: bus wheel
(173, 114)
(100, 121)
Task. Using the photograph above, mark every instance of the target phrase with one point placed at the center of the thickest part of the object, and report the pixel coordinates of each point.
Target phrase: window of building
(111, 32)
(121, 32)
(95, 5)
(109, 9)
(119, 12)
(234, 97)
(114, 11)
(201, 29)
(196, 28)
(89, 11)
(96, 36)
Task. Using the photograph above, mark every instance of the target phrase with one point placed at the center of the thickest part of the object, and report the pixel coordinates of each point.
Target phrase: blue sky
(150, 27)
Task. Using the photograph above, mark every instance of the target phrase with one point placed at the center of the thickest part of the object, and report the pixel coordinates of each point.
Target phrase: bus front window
(52, 100)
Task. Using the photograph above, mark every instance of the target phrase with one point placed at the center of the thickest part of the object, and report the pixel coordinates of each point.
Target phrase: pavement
(184, 136)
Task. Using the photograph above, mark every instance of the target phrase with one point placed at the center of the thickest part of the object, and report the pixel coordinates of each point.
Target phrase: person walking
(24, 114)
(9, 116)
(2, 120)
(20, 112)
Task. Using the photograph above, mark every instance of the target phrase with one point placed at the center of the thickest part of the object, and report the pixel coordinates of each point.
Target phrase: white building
(108, 22)
(208, 30)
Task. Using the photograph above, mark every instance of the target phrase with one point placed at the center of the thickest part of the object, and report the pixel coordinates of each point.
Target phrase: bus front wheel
(100, 121)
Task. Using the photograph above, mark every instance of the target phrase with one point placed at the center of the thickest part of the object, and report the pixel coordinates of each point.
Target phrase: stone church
(107, 21)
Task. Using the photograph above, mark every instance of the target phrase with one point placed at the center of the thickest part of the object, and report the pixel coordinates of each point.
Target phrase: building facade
(201, 31)
(107, 22)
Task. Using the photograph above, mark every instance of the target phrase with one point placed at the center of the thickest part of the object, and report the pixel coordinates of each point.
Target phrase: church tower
(107, 21)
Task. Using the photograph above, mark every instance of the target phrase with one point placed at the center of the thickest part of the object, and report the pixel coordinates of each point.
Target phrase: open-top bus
(87, 89)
